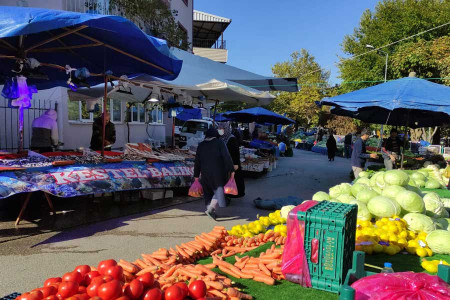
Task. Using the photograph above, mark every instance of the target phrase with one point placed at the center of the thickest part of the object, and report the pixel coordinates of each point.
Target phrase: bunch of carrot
(266, 268)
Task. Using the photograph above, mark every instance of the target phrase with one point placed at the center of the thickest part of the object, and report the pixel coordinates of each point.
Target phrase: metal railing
(87, 6)
(215, 44)
(9, 122)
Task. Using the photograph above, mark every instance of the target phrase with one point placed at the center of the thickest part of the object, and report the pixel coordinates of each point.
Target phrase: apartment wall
(185, 14)
(52, 4)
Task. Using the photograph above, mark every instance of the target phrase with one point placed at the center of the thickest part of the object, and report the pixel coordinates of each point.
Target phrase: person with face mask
(232, 143)
(213, 168)
(97, 133)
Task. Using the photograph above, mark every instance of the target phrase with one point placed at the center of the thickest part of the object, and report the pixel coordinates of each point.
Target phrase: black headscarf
(211, 133)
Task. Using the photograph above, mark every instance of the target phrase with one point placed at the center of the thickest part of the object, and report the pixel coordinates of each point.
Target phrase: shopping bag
(294, 263)
(230, 188)
(401, 286)
(196, 189)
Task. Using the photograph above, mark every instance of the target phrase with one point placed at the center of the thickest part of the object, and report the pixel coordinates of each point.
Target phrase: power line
(379, 48)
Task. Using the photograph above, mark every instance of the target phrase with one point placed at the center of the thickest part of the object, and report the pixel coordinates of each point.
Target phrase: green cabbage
(410, 202)
(439, 241)
(396, 177)
(320, 196)
(366, 195)
(420, 183)
(377, 189)
(418, 176)
(446, 202)
(374, 178)
(414, 189)
(356, 188)
(344, 198)
(284, 212)
(434, 206)
(364, 174)
(424, 172)
(432, 184)
(419, 222)
(392, 191)
(363, 180)
(340, 189)
(363, 212)
(383, 207)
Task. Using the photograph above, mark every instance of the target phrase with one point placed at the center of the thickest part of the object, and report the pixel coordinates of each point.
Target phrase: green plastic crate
(358, 272)
(334, 226)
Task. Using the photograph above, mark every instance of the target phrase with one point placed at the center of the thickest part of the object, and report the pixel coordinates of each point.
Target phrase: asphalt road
(27, 262)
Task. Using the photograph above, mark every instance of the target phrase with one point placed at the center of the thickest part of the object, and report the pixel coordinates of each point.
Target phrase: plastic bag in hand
(230, 188)
(196, 189)
(401, 286)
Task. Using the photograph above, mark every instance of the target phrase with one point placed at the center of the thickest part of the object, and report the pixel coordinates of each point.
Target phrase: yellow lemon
(366, 223)
(385, 227)
(390, 250)
(402, 242)
(421, 252)
(385, 220)
(393, 239)
(411, 250)
(384, 237)
(403, 234)
(377, 248)
(413, 243)
(429, 251)
(411, 235)
(379, 224)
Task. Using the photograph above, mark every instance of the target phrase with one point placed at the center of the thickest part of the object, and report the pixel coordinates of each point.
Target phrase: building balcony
(205, 43)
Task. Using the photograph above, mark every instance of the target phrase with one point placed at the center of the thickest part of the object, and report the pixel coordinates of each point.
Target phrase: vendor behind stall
(391, 150)
(97, 133)
(45, 132)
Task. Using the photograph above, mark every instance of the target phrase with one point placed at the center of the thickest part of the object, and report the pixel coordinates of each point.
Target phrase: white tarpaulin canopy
(199, 78)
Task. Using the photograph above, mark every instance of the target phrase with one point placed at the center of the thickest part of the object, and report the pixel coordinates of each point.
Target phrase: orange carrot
(263, 268)
(182, 252)
(232, 292)
(265, 279)
(141, 264)
(214, 284)
(217, 293)
(229, 272)
(252, 266)
(206, 270)
(127, 266)
(150, 269)
(170, 271)
(210, 266)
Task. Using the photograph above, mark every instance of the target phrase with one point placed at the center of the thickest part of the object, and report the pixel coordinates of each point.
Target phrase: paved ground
(27, 262)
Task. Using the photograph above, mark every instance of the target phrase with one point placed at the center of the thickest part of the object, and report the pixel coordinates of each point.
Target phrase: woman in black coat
(214, 166)
(331, 147)
(232, 143)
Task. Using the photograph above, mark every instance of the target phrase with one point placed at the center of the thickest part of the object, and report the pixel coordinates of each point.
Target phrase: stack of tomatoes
(107, 283)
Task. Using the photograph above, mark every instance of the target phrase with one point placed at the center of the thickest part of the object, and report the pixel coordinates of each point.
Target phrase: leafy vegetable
(366, 194)
(419, 222)
(321, 196)
(396, 177)
(383, 207)
(439, 241)
(410, 202)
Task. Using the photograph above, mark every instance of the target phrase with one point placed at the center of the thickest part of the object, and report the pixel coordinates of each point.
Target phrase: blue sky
(264, 32)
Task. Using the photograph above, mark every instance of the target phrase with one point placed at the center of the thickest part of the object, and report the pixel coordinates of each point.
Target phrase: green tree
(392, 20)
(154, 16)
(301, 106)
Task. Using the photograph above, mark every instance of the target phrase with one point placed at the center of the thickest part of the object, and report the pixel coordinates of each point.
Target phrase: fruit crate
(333, 225)
(357, 272)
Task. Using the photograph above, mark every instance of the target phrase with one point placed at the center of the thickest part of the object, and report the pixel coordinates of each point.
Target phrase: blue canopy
(258, 115)
(220, 117)
(99, 43)
(188, 114)
(407, 101)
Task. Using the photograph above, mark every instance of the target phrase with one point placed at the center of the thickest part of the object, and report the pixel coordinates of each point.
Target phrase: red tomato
(123, 298)
(67, 289)
(33, 295)
(183, 286)
(115, 272)
(174, 293)
(197, 289)
(95, 298)
(89, 276)
(82, 296)
(81, 289)
(134, 290)
(153, 294)
(52, 297)
(48, 291)
(110, 290)
(147, 279)
(52, 280)
(83, 270)
(105, 264)
(96, 282)
(73, 276)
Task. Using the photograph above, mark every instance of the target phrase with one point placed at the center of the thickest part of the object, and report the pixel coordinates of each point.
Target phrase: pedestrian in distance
(331, 146)
(359, 154)
(213, 168)
(348, 145)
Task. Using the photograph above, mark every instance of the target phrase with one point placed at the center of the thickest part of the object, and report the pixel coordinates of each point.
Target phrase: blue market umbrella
(98, 43)
(258, 115)
(409, 101)
(189, 114)
(220, 117)
(55, 48)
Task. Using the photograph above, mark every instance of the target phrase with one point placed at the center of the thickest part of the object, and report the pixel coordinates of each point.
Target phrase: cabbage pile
(397, 193)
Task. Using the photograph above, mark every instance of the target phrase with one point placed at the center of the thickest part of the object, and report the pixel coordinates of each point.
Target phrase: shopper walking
(359, 154)
(232, 143)
(348, 145)
(214, 167)
(331, 146)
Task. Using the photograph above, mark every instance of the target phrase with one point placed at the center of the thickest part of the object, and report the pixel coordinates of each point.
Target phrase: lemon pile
(431, 266)
(390, 236)
(260, 226)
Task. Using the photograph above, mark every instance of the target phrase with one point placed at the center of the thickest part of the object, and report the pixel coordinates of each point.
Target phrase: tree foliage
(154, 17)
(392, 20)
(300, 106)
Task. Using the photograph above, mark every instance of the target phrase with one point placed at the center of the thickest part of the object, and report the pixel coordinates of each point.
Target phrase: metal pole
(215, 110)
(385, 68)
(20, 129)
(385, 80)
(105, 95)
(173, 132)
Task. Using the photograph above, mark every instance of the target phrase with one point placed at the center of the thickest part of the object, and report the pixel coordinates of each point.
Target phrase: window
(78, 111)
(193, 127)
(136, 113)
(154, 114)
(186, 2)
